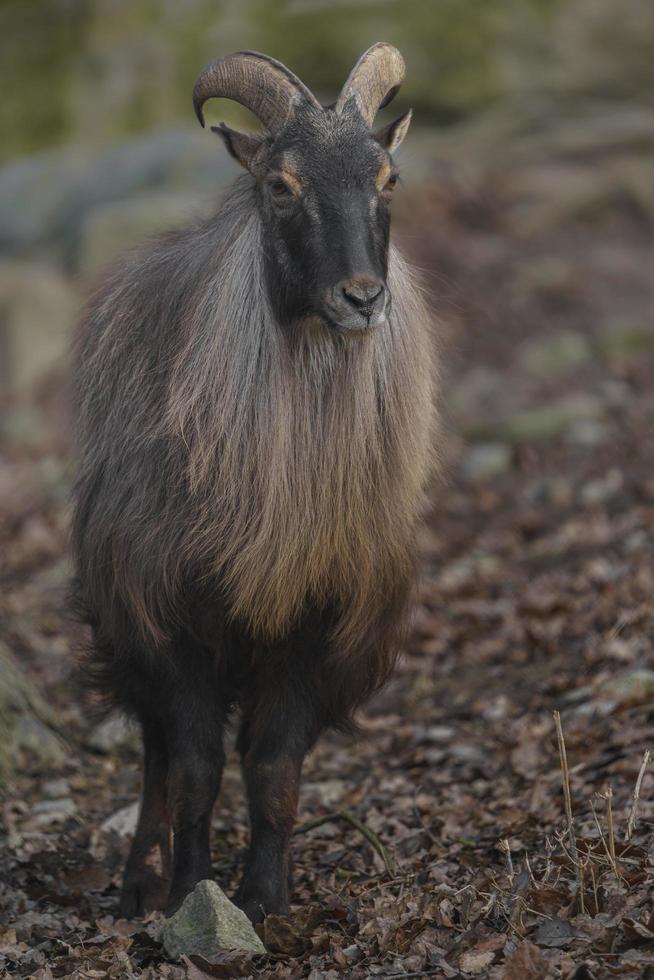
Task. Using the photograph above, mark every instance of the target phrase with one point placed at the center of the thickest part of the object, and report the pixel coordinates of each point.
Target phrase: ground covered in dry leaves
(437, 844)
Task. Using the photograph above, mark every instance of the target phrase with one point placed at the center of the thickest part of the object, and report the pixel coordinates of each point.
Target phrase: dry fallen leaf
(526, 962)
(475, 962)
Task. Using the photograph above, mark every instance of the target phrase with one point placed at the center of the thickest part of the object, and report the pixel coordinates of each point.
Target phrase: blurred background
(528, 205)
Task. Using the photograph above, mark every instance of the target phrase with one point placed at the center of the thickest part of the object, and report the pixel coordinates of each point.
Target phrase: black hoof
(257, 905)
(141, 894)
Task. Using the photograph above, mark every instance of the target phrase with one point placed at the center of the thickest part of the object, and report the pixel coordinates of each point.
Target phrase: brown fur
(332, 480)
(294, 466)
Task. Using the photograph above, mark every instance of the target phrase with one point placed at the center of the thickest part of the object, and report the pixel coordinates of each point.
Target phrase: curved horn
(374, 80)
(258, 82)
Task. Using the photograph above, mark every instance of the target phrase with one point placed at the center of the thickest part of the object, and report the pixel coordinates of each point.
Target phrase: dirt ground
(437, 844)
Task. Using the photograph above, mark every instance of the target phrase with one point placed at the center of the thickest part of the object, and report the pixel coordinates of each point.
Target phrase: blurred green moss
(39, 46)
(450, 45)
(94, 70)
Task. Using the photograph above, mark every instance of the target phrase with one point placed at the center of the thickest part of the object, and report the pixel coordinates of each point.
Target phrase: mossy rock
(206, 923)
(27, 725)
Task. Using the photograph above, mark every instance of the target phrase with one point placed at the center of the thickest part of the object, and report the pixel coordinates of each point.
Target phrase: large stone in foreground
(207, 922)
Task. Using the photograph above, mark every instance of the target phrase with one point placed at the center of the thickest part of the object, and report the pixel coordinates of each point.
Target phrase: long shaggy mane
(272, 468)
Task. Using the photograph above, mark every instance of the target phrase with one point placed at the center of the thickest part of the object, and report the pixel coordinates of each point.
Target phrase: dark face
(325, 190)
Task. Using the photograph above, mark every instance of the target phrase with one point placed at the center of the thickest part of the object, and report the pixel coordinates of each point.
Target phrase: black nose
(363, 293)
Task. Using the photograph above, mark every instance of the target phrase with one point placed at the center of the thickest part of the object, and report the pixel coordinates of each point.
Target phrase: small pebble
(486, 460)
(56, 789)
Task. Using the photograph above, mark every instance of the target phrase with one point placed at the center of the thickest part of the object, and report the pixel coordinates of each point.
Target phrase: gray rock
(634, 687)
(53, 811)
(122, 822)
(46, 199)
(472, 754)
(638, 541)
(56, 788)
(587, 432)
(113, 228)
(557, 491)
(38, 308)
(111, 734)
(466, 570)
(554, 419)
(486, 460)
(544, 274)
(24, 424)
(32, 192)
(208, 922)
(604, 488)
(37, 737)
(440, 733)
(618, 394)
(554, 355)
(329, 791)
(26, 721)
(478, 393)
(133, 167)
(65, 805)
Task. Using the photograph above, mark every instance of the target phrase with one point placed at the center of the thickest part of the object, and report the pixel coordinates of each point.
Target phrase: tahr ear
(392, 135)
(242, 146)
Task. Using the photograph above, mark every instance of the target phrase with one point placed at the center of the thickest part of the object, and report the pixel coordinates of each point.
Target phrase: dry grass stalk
(505, 846)
(636, 797)
(566, 787)
(608, 796)
(550, 848)
(486, 908)
(572, 841)
(609, 855)
(594, 881)
(580, 878)
(532, 876)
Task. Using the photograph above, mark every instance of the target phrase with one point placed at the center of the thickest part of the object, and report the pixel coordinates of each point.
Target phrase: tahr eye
(278, 188)
(391, 183)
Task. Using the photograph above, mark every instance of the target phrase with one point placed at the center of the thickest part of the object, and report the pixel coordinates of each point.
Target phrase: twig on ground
(371, 837)
(636, 797)
(387, 858)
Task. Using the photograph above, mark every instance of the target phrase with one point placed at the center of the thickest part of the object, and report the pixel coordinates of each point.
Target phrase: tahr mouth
(354, 323)
(326, 320)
